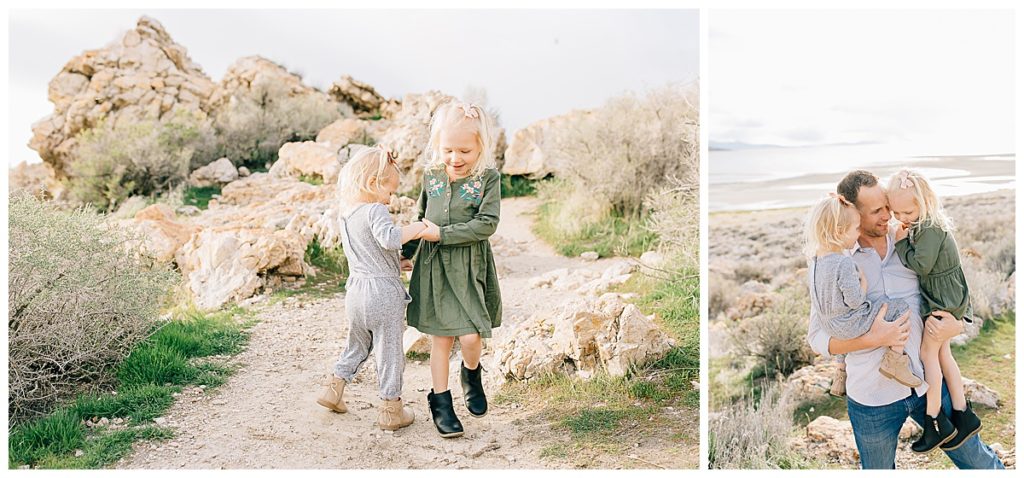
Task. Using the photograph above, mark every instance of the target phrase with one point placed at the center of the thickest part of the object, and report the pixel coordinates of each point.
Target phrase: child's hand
(432, 233)
(901, 231)
(406, 265)
(863, 283)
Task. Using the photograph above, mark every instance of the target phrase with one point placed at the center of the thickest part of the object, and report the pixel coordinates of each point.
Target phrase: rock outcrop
(363, 97)
(144, 75)
(529, 151)
(583, 337)
(217, 173)
(252, 72)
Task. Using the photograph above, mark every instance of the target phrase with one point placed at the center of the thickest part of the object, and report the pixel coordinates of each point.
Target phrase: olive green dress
(454, 284)
(933, 254)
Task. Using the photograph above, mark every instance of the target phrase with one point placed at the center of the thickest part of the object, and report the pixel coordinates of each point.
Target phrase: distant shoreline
(952, 175)
(777, 211)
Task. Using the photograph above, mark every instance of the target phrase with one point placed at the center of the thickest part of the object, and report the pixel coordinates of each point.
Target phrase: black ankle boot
(937, 431)
(967, 425)
(473, 390)
(448, 425)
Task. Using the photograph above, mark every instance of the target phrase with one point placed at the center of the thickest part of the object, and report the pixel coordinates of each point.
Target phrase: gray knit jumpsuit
(375, 298)
(835, 291)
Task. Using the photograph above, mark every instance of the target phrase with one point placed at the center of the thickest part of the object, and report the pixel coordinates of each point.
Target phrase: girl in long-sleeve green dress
(454, 283)
(925, 244)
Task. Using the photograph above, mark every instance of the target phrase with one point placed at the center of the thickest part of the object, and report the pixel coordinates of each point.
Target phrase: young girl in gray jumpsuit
(375, 299)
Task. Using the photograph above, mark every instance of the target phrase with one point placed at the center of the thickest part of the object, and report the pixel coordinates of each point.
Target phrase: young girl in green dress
(925, 244)
(454, 283)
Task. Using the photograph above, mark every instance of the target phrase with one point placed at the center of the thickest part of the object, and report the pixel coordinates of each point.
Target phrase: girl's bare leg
(471, 349)
(440, 350)
(954, 381)
(932, 374)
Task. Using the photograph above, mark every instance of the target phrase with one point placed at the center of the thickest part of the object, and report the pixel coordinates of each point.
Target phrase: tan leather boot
(393, 415)
(839, 383)
(331, 397)
(897, 367)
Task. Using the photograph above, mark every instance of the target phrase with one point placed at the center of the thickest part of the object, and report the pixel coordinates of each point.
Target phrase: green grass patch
(517, 186)
(331, 272)
(200, 197)
(309, 179)
(610, 236)
(141, 402)
(59, 433)
(176, 354)
(418, 356)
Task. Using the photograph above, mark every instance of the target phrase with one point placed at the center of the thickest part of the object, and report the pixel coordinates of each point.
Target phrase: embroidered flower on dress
(435, 187)
(472, 191)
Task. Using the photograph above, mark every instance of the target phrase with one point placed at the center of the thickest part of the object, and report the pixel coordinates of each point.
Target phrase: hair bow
(471, 110)
(840, 198)
(905, 181)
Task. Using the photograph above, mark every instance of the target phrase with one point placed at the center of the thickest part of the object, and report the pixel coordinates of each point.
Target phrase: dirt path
(265, 416)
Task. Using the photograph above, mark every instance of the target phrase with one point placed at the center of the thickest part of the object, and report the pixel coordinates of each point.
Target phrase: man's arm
(881, 334)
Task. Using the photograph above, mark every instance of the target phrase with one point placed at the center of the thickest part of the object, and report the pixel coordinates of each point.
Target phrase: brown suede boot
(393, 415)
(331, 397)
(897, 367)
(838, 383)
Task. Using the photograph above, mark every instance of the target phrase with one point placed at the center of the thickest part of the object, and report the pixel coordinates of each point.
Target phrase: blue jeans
(877, 429)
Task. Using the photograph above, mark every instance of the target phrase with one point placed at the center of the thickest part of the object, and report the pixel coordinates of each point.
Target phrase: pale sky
(532, 64)
(938, 82)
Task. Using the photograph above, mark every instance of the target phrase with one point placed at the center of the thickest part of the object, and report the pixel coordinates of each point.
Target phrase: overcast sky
(940, 81)
(532, 64)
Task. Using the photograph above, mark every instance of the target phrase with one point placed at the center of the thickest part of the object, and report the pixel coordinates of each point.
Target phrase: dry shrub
(252, 127)
(79, 301)
(115, 161)
(723, 293)
(752, 434)
(675, 219)
(990, 294)
(620, 153)
(777, 339)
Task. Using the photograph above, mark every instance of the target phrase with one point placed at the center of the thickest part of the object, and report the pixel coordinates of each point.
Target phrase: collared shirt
(887, 278)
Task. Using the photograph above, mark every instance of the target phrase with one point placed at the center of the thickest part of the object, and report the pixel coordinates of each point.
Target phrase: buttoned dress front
(454, 283)
(933, 254)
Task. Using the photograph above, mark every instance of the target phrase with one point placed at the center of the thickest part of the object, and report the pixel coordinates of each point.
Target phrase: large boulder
(828, 440)
(310, 159)
(979, 394)
(221, 265)
(144, 75)
(159, 231)
(810, 383)
(583, 337)
(217, 173)
(529, 151)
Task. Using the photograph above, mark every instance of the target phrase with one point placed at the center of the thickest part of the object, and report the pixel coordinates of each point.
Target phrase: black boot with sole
(937, 431)
(473, 390)
(967, 425)
(441, 409)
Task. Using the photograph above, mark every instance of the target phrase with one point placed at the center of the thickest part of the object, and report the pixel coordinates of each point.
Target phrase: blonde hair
(927, 201)
(459, 113)
(827, 223)
(354, 179)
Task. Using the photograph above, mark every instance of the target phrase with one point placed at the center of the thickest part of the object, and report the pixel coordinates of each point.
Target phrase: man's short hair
(851, 184)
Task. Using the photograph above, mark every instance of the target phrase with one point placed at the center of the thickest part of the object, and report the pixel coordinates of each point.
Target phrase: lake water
(768, 178)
